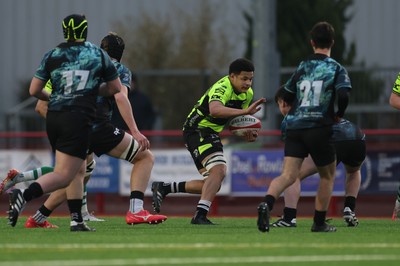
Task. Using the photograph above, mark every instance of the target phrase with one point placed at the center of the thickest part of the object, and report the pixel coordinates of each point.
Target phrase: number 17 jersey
(315, 83)
(76, 71)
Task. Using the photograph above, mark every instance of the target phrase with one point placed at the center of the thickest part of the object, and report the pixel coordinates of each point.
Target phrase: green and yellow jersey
(222, 90)
(396, 86)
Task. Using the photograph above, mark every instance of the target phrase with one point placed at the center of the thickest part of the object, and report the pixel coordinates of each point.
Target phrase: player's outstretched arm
(125, 109)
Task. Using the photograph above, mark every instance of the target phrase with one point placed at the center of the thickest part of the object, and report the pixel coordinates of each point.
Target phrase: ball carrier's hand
(250, 135)
(255, 106)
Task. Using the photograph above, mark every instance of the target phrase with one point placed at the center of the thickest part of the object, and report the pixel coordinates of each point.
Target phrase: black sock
(46, 212)
(75, 206)
(319, 217)
(350, 202)
(167, 187)
(181, 187)
(289, 214)
(270, 200)
(137, 195)
(33, 191)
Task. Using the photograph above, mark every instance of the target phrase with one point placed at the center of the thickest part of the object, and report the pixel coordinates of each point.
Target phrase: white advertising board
(170, 166)
(23, 160)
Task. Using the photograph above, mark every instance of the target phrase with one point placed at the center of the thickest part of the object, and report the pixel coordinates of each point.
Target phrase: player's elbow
(215, 111)
(110, 88)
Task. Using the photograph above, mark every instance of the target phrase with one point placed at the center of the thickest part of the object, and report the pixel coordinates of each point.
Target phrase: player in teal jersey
(350, 148)
(394, 101)
(107, 139)
(14, 176)
(79, 71)
(312, 89)
(231, 96)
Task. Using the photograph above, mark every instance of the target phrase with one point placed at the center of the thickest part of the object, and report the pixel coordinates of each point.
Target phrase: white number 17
(69, 77)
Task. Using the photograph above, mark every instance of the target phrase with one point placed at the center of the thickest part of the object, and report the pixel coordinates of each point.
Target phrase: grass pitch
(234, 241)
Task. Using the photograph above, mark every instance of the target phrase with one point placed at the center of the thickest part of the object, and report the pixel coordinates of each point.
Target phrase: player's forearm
(36, 89)
(217, 109)
(125, 109)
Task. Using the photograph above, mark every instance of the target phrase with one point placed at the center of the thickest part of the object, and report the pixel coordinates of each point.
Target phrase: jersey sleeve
(220, 92)
(110, 70)
(126, 77)
(42, 73)
(290, 85)
(343, 79)
(396, 85)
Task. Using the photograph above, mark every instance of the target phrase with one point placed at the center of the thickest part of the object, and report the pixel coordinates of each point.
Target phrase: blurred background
(178, 48)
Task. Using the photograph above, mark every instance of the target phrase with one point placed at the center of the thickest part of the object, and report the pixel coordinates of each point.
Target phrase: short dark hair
(323, 34)
(114, 45)
(282, 94)
(241, 64)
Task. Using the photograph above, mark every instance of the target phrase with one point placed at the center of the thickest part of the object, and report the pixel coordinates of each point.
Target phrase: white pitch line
(208, 260)
(5, 246)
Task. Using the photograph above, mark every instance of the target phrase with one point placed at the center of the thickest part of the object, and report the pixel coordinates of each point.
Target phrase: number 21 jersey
(315, 83)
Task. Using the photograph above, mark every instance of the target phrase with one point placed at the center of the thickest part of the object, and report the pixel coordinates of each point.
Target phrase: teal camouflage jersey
(105, 104)
(222, 90)
(346, 130)
(76, 71)
(315, 83)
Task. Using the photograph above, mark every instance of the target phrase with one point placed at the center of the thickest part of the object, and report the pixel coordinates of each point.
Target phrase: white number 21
(311, 92)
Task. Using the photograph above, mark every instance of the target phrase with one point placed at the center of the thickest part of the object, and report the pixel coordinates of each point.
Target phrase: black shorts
(69, 132)
(201, 144)
(104, 138)
(314, 141)
(350, 152)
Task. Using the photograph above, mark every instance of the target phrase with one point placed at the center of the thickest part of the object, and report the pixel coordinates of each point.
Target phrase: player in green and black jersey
(229, 97)
(394, 101)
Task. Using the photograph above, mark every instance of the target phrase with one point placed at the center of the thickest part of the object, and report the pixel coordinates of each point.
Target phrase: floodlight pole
(266, 60)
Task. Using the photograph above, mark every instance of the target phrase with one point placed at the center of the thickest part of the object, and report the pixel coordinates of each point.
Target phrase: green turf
(234, 241)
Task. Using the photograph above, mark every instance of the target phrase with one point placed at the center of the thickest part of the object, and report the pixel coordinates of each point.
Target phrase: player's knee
(288, 179)
(145, 156)
(148, 156)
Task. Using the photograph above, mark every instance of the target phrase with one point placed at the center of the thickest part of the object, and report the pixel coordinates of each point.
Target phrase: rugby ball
(240, 124)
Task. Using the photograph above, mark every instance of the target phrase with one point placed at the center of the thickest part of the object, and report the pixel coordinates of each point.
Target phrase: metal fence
(368, 107)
